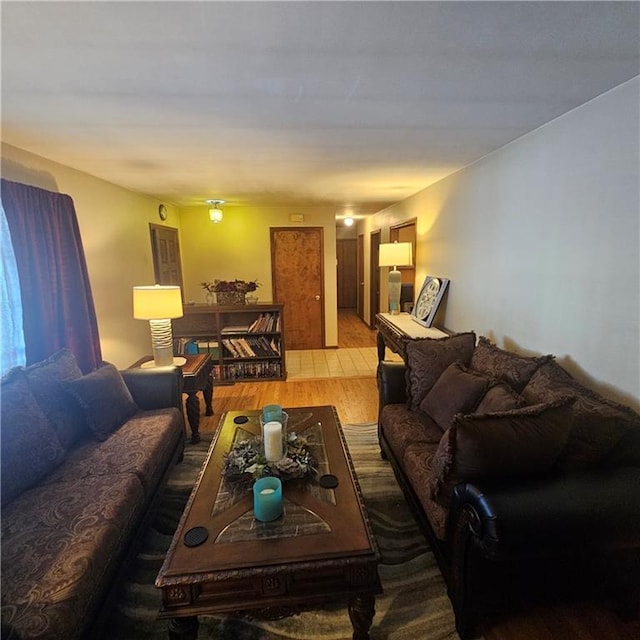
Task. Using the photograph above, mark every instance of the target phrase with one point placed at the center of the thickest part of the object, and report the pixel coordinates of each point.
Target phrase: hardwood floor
(356, 400)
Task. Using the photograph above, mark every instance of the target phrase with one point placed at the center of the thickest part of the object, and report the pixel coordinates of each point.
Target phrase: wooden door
(374, 285)
(346, 273)
(165, 248)
(298, 281)
(406, 232)
(360, 277)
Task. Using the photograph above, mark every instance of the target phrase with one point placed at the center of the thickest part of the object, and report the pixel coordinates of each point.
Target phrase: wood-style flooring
(356, 400)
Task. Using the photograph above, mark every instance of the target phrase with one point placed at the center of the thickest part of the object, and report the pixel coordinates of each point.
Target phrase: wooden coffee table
(321, 549)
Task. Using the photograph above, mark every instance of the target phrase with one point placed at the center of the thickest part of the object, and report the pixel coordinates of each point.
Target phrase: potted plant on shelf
(230, 291)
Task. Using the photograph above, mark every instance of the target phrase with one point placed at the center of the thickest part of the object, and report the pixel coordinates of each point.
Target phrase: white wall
(541, 242)
(114, 225)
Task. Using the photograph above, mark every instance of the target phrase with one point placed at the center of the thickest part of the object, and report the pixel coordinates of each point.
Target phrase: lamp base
(395, 288)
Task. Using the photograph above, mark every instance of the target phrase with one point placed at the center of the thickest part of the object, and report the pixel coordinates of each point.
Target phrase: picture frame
(428, 300)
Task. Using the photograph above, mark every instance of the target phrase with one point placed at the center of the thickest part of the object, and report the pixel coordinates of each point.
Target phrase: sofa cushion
(457, 390)
(401, 427)
(61, 544)
(598, 424)
(143, 445)
(427, 358)
(500, 397)
(416, 464)
(47, 380)
(104, 399)
(512, 443)
(30, 446)
(512, 368)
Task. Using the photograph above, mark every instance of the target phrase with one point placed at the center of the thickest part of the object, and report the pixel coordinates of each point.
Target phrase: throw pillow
(30, 446)
(513, 443)
(105, 400)
(427, 358)
(500, 397)
(512, 368)
(47, 380)
(457, 390)
(599, 425)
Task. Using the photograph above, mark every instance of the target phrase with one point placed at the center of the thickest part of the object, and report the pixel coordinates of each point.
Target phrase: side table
(394, 331)
(196, 373)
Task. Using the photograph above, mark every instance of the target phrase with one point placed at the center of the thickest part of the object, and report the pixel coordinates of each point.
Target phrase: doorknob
(317, 297)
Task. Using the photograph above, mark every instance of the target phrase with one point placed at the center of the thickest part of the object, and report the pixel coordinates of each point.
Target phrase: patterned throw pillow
(500, 397)
(513, 443)
(105, 399)
(30, 446)
(457, 390)
(47, 380)
(599, 424)
(512, 368)
(427, 359)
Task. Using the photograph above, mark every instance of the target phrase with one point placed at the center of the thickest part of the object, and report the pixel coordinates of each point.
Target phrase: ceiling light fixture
(348, 221)
(215, 214)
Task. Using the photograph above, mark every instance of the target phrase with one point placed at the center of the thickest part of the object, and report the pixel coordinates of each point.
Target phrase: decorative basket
(230, 297)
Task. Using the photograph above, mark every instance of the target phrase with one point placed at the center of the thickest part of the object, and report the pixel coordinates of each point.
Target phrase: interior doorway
(165, 249)
(374, 271)
(298, 282)
(346, 273)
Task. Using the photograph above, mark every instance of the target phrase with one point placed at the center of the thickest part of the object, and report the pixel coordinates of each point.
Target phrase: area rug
(414, 605)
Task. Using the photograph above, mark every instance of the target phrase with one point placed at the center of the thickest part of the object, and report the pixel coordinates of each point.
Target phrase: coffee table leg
(193, 415)
(207, 392)
(361, 611)
(183, 628)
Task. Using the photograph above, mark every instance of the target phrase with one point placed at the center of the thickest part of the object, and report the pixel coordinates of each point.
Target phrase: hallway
(356, 355)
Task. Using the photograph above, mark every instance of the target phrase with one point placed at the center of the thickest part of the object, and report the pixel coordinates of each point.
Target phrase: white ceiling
(298, 103)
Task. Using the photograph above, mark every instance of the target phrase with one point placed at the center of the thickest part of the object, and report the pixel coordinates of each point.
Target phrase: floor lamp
(158, 304)
(395, 254)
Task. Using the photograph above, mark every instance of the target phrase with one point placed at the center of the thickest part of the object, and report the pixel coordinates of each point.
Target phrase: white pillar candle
(272, 433)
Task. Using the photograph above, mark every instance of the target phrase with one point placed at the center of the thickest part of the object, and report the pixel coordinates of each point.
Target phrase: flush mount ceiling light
(348, 221)
(215, 214)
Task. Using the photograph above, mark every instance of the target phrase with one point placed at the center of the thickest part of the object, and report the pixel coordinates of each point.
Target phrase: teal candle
(272, 413)
(267, 499)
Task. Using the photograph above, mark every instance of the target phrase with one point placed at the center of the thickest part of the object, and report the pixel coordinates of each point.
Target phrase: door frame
(374, 276)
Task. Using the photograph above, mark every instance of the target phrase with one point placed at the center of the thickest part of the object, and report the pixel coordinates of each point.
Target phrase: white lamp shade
(395, 254)
(157, 302)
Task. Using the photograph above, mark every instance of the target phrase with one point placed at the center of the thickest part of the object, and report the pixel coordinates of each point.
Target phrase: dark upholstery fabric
(47, 380)
(143, 446)
(30, 446)
(513, 443)
(428, 358)
(500, 397)
(59, 541)
(514, 369)
(457, 390)
(416, 464)
(104, 399)
(401, 427)
(598, 424)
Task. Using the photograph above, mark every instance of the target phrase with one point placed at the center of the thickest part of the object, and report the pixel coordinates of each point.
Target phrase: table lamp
(395, 254)
(158, 304)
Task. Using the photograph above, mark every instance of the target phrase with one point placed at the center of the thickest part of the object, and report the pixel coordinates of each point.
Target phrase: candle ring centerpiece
(246, 460)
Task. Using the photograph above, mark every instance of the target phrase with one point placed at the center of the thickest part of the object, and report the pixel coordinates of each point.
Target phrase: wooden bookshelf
(245, 341)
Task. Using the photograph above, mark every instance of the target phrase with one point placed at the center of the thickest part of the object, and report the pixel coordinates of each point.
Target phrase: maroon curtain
(57, 304)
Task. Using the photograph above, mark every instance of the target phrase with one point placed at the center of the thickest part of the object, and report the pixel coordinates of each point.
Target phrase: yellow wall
(239, 247)
(114, 224)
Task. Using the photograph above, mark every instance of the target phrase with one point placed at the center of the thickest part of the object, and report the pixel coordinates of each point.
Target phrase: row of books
(190, 346)
(241, 370)
(250, 347)
(267, 322)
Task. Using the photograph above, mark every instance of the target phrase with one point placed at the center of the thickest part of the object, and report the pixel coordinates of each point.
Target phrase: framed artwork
(428, 300)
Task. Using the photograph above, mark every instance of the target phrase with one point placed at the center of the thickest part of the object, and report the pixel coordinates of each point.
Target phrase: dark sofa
(523, 480)
(83, 459)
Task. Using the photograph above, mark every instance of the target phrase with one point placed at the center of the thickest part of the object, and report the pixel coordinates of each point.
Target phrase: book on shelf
(239, 328)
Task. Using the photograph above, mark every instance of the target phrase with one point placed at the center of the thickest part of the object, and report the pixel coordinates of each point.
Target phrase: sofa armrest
(562, 513)
(391, 383)
(157, 388)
